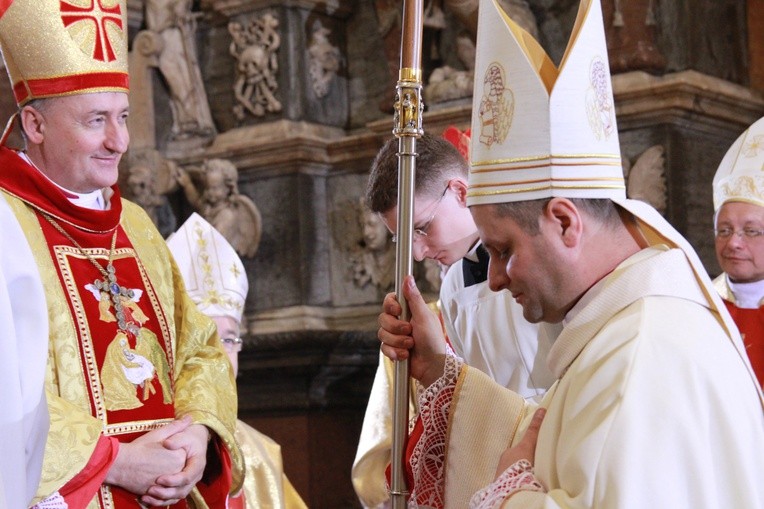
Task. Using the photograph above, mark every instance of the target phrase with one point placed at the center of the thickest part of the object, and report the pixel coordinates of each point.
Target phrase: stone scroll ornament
(254, 45)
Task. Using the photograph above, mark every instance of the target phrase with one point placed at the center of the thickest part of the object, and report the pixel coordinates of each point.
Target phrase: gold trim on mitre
(212, 271)
(55, 48)
(534, 122)
(740, 176)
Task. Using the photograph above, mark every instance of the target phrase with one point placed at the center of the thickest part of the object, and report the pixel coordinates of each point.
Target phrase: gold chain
(92, 260)
(108, 286)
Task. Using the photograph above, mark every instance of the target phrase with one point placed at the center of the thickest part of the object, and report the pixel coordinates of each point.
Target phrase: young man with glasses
(739, 234)
(483, 326)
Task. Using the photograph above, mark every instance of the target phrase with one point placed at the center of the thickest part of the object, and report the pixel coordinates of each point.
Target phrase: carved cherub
(233, 214)
(373, 258)
(149, 180)
(646, 179)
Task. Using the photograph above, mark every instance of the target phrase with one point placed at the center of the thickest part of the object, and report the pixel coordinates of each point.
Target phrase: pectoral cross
(115, 292)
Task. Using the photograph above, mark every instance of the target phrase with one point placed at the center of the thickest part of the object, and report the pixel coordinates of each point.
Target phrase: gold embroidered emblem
(210, 283)
(599, 100)
(126, 370)
(754, 146)
(497, 106)
(745, 187)
(95, 25)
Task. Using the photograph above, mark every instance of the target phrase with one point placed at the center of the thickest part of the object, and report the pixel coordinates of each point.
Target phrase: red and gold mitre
(55, 48)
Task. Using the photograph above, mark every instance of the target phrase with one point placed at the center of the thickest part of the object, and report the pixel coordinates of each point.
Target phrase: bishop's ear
(566, 220)
(32, 123)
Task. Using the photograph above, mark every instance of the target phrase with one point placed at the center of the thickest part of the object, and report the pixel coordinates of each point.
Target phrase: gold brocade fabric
(265, 484)
(204, 386)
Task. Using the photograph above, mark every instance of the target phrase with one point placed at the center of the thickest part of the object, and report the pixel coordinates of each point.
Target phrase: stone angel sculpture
(646, 178)
(214, 193)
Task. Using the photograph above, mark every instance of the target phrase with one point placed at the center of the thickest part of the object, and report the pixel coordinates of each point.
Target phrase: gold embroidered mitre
(540, 131)
(60, 47)
(212, 271)
(740, 176)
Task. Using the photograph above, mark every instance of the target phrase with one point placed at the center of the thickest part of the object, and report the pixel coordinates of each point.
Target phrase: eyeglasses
(421, 231)
(234, 344)
(748, 233)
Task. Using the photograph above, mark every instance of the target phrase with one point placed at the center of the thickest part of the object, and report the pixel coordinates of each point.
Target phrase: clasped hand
(162, 466)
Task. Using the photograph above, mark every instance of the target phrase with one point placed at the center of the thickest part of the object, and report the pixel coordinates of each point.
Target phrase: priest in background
(218, 285)
(739, 233)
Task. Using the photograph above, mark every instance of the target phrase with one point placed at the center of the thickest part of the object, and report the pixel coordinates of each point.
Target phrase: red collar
(24, 181)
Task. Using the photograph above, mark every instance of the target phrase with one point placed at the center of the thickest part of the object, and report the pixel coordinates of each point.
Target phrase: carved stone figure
(150, 177)
(448, 83)
(373, 256)
(646, 179)
(218, 200)
(174, 22)
(465, 11)
(254, 47)
(631, 36)
(324, 60)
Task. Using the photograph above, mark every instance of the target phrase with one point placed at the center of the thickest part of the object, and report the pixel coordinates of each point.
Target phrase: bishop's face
(228, 330)
(530, 266)
(80, 139)
(739, 255)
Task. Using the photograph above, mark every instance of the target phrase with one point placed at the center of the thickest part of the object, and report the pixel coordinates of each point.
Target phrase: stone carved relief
(371, 253)
(372, 257)
(175, 27)
(646, 178)
(150, 177)
(447, 83)
(631, 36)
(213, 191)
(255, 47)
(323, 60)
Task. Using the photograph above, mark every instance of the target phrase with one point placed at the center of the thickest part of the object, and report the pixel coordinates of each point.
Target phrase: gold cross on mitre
(539, 130)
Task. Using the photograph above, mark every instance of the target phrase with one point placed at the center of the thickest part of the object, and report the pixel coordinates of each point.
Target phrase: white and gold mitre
(60, 47)
(211, 269)
(740, 176)
(539, 131)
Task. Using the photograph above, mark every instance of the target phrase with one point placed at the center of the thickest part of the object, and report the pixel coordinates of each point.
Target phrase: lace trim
(55, 501)
(518, 477)
(428, 457)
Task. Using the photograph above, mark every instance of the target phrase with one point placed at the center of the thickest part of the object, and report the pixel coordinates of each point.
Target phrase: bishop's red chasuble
(129, 352)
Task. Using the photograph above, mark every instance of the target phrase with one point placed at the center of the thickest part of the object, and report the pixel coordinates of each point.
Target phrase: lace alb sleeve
(428, 456)
(517, 477)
